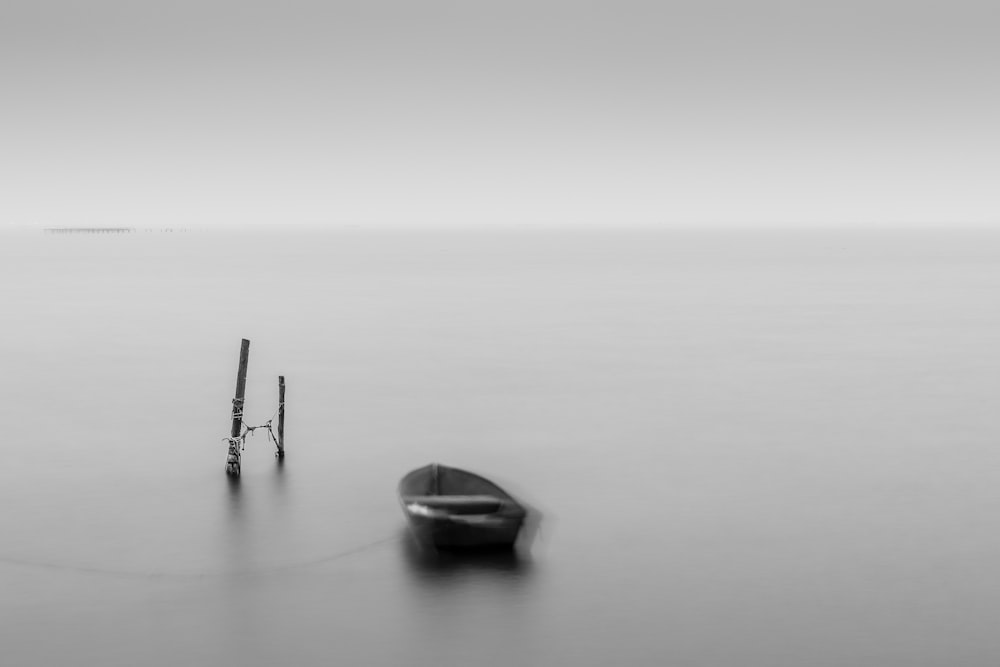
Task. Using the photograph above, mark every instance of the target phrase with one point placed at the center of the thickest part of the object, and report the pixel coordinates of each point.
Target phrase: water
(756, 449)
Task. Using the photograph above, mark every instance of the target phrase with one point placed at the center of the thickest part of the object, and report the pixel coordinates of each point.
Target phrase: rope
(138, 574)
(241, 439)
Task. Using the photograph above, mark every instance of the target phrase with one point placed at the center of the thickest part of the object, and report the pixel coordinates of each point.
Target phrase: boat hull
(449, 508)
(452, 533)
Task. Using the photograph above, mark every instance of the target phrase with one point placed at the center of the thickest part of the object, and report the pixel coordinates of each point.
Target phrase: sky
(472, 113)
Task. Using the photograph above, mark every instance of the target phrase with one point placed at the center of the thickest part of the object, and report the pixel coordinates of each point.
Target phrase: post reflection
(234, 496)
(279, 475)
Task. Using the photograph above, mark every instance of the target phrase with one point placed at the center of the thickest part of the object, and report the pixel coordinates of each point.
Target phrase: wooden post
(233, 458)
(281, 416)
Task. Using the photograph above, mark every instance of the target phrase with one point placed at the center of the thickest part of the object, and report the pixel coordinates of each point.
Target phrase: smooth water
(748, 449)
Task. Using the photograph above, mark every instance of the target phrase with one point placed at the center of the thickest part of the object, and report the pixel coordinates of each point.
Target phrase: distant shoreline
(106, 230)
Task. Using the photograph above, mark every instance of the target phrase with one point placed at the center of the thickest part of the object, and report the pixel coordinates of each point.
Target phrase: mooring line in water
(134, 574)
(318, 561)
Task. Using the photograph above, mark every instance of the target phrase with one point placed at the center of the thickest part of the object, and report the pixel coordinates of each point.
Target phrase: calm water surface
(748, 450)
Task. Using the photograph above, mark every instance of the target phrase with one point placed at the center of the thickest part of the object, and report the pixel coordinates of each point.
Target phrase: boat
(449, 508)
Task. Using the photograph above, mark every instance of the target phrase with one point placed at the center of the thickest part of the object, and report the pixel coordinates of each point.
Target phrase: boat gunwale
(510, 508)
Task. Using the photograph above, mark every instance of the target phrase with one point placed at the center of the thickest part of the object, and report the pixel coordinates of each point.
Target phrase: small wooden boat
(449, 508)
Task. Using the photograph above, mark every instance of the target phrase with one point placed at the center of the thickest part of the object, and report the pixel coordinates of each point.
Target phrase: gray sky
(409, 112)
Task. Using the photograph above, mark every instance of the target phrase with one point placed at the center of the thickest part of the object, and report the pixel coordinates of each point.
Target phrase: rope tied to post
(241, 439)
(249, 430)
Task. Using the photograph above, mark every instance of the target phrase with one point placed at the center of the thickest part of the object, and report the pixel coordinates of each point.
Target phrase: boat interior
(455, 491)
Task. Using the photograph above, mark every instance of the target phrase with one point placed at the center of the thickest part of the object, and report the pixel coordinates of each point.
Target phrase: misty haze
(632, 333)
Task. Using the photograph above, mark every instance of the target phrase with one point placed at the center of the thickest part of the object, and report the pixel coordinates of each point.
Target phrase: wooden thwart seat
(458, 504)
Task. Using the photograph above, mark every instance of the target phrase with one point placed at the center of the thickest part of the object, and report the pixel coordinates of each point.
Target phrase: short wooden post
(281, 416)
(233, 458)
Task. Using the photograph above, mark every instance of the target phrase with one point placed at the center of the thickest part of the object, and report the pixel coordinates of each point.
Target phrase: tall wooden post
(233, 458)
(281, 416)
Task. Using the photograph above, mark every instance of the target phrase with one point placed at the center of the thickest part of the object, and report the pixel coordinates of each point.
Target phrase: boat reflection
(428, 564)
